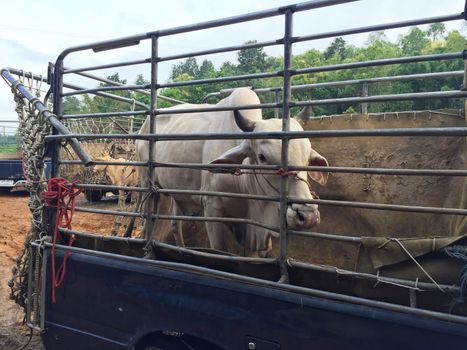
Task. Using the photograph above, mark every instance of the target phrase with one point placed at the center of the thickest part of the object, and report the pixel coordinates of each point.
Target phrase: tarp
(441, 152)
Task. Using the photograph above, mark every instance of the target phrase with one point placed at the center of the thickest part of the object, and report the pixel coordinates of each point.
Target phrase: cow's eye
(261, 158)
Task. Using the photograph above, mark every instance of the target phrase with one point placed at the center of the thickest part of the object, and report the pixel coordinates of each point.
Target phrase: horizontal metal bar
(379, 206)
(22, 73)
(215, 255)
(326, 236)
(105, 115)
(249, 17)
(291, 200)
(215, 219)
(221, 79)
(385, 98)
(106, 66)
(220, 256)
(178, 217)
(380, 62)
(369, 99)
(105, 88)
(222, 49)
(116, 83)
(218, 194)
(421, 286)
(356, 170)
(110, 212)
(99, 237)
(130, 40)
(48, 116)
(382, 79)
(379, 27)
(445, 131)
(268, 284)
(112, 187)
(129, 163)
(111, 96)
(347, 82)
(215, 108)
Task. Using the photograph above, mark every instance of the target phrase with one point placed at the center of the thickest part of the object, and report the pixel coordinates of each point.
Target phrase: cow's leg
(176, 226)
(131, 222)
(222, 238)
(118, 218)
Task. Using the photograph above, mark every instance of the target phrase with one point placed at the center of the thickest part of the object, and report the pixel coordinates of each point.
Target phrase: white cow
(264, 152)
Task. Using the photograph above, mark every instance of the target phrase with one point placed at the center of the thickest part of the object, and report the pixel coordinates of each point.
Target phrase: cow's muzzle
(302, 216)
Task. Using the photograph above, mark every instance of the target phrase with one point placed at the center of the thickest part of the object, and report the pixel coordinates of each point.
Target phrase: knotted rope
(60, 195)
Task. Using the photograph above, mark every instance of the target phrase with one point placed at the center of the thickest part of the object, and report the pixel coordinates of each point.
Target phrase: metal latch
(253, 343)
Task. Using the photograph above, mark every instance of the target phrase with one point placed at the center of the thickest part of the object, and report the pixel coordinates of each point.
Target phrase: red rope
(280, 172)
(60, 195)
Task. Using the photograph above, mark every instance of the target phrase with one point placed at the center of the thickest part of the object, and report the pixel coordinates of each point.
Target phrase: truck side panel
(110, 304)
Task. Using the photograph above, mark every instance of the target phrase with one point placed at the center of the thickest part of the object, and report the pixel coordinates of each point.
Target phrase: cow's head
(101, 167)
(268, 152)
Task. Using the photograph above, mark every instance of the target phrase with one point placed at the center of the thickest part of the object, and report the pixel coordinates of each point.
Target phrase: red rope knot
(61, 195)
(284, 173)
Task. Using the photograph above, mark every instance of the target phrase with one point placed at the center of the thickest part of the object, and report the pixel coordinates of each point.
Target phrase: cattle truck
(385, 269)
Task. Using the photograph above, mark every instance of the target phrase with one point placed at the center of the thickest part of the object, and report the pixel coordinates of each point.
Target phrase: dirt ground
(14, 225)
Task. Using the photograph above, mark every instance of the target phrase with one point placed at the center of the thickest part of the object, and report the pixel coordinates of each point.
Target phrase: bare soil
(14, 225)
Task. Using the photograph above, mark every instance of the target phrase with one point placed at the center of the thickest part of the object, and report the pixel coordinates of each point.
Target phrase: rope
(281, 172)
(31, 130)
(417, 263)
(60, 195)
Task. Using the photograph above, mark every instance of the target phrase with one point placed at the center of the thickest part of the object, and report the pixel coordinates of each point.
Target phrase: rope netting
(32, 130)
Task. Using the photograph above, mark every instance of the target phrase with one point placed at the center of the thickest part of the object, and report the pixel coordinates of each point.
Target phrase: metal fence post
(364, 105)
(276, 100)
(285, 145)
(150, 207)
(464, 83)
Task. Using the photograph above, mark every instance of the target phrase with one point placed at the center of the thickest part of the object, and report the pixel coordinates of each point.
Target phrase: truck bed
(110, 301)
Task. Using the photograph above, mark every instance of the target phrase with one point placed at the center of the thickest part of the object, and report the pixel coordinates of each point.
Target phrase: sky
(34, 32)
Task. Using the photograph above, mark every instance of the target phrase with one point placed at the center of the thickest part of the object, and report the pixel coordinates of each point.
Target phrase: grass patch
(8, 149)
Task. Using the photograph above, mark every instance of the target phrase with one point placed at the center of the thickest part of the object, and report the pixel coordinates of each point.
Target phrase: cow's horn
(304, 115)
(243, 123)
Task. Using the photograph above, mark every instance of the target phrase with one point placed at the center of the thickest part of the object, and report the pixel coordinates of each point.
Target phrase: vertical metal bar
(465, 73)
(43, 289)
(285, 145)
(149, 208)
(464, 84)
(364, 105)
(276, 100)
(29, 295)
(58, 111)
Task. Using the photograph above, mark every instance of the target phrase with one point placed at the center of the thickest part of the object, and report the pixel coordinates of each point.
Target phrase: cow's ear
(304, 115)
(317, 159)
(243, 122)
(235, 155)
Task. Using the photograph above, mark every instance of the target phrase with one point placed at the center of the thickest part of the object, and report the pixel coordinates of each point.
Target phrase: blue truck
(113, 298)
(11, 173)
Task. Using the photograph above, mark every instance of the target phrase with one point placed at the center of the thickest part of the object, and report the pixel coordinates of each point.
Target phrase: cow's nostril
(301, 217)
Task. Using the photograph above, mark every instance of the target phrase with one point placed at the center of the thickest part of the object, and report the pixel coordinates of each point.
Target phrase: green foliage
(434, 40)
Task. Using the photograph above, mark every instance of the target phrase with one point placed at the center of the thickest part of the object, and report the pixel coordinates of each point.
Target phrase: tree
(414, 42)
(72, 105)
(189, 67)
(436, 31)
(206, 70)
(455, 41)
(144, 98)
(252, 60)
(337, 48)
